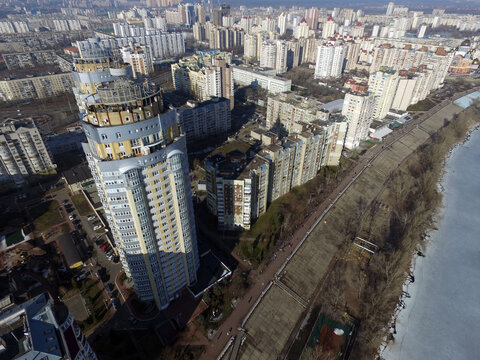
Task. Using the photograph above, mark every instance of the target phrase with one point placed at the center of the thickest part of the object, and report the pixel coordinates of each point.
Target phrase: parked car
(81, 276)
(91, 217)
(97, 227)
(71, 217)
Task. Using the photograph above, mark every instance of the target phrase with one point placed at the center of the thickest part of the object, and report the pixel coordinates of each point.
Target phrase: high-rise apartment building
(405, 92)
(156, 23)
(160, 23)
(383, 85)
(139, 60)
(95, 67)
(159, 45)
(334, 142)
(236, 190)
(202, 120)
(189, 14)
(268, 55)
(269, 25)
(282, 23)
(228, 21)
(311, 16)
(281, 57)
(42, 328)
(358, 110)
(329, 28)
(200, 13)
(250, 47)
(302, 30)
(216, 17)
(246, 23)
(422, 31)
(199, 33)
(286, 110)
(239, 191)
(23, 151)
(137, 155)
(205, 76)
(390, 8)
(330, 59)
(37, 86)
(222, 38)
(261, 37)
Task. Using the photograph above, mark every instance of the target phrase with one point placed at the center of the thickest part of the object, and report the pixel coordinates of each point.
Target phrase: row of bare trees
(414, 199)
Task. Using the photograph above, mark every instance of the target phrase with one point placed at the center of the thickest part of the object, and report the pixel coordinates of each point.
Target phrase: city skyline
(232, 180)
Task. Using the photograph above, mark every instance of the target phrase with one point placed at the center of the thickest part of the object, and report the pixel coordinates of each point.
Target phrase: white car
(71, 217)
(97, 227)
(91, 217)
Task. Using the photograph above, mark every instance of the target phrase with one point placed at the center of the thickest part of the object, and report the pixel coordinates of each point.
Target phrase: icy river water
(442, 318)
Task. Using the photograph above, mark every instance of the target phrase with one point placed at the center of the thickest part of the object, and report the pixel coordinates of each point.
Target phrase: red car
(103, 246)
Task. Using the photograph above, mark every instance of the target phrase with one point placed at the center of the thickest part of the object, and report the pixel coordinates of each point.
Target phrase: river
(442, 318)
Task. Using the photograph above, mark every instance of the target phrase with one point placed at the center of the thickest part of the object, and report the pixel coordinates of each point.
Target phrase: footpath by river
(441, 319)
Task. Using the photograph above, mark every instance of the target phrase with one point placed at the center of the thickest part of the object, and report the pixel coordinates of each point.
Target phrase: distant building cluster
(226, 74)
(158, 45)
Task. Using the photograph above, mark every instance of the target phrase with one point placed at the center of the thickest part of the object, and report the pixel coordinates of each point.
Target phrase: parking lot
(101, 263)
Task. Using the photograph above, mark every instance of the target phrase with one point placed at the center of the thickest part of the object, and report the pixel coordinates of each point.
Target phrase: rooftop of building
(27, 328)
(211, 271)
(191, 104)
(69, 250)
(299, 101)
(333, 106)
(9, 125)
(235, 165)
(260, 71)
(77, 174)
(40, 70)
(122, 91)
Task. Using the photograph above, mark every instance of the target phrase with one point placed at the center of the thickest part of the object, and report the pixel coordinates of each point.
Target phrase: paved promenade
(272, 306)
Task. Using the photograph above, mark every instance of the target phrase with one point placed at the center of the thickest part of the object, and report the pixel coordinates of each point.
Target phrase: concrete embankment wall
(269, 326)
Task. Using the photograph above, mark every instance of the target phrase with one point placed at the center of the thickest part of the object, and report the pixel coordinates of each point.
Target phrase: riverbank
(441, 318)
(304, 278)
(414, 198)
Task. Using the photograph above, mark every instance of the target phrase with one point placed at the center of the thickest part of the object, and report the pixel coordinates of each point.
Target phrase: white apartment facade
(273, 84)
(358, 110)
(330, 60)
(138, 159)
(268, 55)
(383, 85)
(22, 151)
